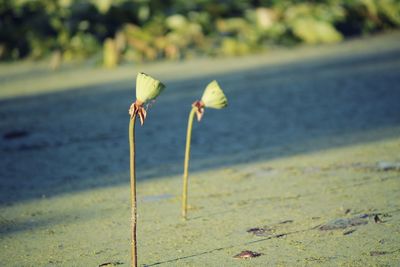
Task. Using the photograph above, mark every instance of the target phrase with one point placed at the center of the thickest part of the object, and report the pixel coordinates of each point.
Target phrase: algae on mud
(306, 189)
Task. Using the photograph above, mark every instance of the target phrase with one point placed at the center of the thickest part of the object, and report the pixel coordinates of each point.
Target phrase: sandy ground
(302, 166)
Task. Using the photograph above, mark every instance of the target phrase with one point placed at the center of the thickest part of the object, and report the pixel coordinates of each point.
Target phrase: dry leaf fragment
(247, 254)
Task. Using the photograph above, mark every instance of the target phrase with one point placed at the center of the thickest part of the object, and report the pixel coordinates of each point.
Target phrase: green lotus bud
(213, 96)
(147, 88)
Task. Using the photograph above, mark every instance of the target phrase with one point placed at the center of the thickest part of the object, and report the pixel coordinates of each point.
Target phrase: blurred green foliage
(141, 30)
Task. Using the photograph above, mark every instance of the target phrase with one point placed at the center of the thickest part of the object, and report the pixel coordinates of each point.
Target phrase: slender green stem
(186, 164)
(133, 191)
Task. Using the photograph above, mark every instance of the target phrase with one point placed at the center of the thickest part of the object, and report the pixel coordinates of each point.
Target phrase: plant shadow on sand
(76, 140)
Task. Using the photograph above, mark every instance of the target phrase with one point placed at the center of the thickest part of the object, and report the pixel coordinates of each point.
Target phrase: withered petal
(137, 109)
(199, 105)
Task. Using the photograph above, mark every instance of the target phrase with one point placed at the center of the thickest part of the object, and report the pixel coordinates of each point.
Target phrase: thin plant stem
(186, 164)
(133, 191)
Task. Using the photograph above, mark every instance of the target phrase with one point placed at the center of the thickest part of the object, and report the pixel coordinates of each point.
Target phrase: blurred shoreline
(27, 77)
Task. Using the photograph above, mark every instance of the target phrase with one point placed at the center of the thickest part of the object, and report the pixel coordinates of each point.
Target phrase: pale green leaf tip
(213, 96)
(147, 88)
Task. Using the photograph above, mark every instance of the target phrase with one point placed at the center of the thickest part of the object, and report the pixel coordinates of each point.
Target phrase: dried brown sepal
(138, 109)
(199, 105)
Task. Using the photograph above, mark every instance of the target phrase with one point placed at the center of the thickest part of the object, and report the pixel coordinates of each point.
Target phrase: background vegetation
(141, 30)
